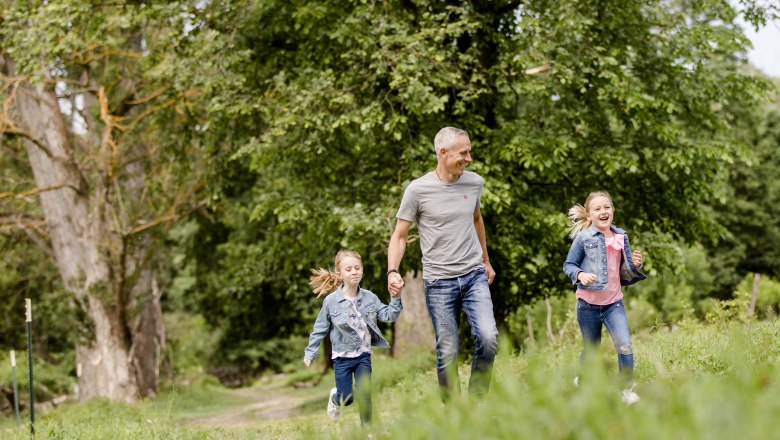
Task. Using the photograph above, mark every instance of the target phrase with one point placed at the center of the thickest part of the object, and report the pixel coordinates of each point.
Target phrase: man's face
(458, 156)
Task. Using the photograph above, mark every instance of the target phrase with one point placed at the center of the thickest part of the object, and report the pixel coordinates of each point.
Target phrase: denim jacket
(588, 253)
(333, 319)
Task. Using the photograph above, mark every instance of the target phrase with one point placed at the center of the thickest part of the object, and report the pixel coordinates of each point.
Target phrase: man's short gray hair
(446, 137)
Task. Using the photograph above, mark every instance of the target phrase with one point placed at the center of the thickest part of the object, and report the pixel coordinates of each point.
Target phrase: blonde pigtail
(579, 219)
(323, 281)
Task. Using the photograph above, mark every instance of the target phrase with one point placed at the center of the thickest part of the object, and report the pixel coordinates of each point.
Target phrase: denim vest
(333, 319)
(588, 253)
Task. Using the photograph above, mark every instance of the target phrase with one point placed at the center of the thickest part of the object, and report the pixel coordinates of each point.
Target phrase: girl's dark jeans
(360, 368)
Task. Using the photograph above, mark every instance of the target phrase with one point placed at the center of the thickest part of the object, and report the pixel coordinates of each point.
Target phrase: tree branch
(173, 215)
(31, 227)
(537, 69)
(95, 52)
(13, 131)
(144, 225)
(33, 191)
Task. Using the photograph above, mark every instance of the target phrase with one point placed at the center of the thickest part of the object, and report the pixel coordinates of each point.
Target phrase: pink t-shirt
(613, 293)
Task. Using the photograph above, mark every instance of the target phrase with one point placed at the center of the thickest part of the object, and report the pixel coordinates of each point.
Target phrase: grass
(716, 381)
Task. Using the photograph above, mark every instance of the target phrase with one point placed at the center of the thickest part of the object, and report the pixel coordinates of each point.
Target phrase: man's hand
(491, 274)
(395, 284)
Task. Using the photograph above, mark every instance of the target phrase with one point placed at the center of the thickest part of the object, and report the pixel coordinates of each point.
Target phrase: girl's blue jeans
(360, 368)
(613, 317)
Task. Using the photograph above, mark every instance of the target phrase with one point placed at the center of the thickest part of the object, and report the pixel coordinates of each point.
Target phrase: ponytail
(579, 219)
(323, 281)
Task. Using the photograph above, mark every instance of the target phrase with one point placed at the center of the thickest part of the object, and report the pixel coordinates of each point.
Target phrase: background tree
(749, 212)
(84, 90)
(304, 121)
(26, 269)
(338, 103)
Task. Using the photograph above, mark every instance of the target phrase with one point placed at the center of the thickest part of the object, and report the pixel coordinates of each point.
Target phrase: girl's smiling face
(600, 213)
(351, 271)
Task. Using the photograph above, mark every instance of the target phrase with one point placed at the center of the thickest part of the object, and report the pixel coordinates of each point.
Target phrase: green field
(696, 381)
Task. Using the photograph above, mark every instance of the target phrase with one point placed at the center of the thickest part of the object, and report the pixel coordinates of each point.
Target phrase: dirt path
(269, 402)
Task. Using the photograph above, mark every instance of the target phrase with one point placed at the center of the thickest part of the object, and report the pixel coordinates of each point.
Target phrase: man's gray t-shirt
(444, 213)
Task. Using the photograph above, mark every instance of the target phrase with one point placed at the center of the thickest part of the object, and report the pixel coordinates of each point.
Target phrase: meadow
(696, 381)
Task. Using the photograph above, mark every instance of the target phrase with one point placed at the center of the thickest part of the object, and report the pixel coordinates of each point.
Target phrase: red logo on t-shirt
(465, 196)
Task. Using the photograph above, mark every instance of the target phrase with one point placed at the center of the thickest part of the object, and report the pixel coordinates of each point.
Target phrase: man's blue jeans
(446, 298)
(360, 367)
(613, 317)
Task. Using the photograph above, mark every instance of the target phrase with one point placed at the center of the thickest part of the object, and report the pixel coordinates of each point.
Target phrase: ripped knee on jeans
(625, 349)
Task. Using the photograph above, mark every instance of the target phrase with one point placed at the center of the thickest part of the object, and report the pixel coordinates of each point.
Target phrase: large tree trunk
(413, 328)
(147, 328)
(120, 353)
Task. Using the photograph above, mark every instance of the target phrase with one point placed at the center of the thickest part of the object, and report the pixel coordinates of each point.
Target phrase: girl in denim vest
(349, 315)
(599, 263)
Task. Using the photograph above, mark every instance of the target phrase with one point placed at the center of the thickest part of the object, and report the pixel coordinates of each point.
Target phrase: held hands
(307, 362)
(586, 278)
(395, 284)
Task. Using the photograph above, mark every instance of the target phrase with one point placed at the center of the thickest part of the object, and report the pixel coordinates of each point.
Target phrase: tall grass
(699, 381)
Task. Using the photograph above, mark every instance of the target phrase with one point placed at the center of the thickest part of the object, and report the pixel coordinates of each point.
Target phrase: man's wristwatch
(391, 271)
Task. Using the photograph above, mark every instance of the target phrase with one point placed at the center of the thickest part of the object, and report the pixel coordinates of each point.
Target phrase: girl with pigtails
(600, 261)
(349, 315)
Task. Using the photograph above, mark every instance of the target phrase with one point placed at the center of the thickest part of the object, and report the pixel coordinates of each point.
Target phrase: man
(456, 268)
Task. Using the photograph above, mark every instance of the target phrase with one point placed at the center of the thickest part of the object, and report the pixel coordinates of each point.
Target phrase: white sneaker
(576, 381)
(334, 411)
(629, 396)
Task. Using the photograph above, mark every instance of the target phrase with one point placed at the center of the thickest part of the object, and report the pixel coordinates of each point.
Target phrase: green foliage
(102, 419)
(189, 342)
(52, 377)
(681, 378)
(331, 109)
(563, 322)
(132, 132)
(701, 381)
(26, 270)
(676, 294)
(750, 211)
(768, 301)
(287, 130)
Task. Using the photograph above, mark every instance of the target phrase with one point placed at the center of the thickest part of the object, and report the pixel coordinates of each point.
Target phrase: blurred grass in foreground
(716, 381)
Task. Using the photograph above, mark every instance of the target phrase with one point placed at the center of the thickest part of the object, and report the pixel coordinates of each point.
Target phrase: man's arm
(479, 225)
(395, 253)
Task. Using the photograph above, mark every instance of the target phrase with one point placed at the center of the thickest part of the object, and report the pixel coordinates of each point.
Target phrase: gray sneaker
(334, 411)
